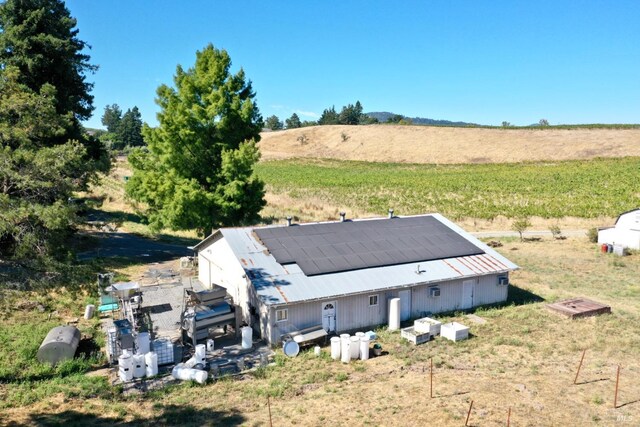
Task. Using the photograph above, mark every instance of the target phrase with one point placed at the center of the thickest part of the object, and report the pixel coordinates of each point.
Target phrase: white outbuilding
(339, 276)
(625, 233)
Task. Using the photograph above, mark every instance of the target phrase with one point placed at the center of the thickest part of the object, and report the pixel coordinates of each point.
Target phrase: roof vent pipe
(390, 213)
(342, 216)
(289, 221)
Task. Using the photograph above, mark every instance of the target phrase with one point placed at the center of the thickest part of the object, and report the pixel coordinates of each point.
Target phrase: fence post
(466, 423)
(575, 380)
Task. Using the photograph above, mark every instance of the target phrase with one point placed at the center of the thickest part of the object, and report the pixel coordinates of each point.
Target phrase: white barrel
(316, 350)
(360, 334)
(143, 342)
(125, 366)
(291, 348)
(181, 372)
(247, 333)
(346, 353)
(210, 346)
(191, 362)
(354, 347)
(151, 361)
(394, 314)
(364, 348)
(139, 366)
(88, 311)
(335, 348)
(201, 353)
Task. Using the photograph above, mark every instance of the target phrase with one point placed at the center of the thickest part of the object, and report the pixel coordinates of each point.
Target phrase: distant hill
(383, 116)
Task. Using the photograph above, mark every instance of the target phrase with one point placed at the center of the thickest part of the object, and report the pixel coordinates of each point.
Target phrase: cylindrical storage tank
(187, 374)
(291, 348)
(345, 339)
(335, 348)
(60, 344)
(151, 361)
(354, 347)
(364, 348)
(604, 248)
(139, 366)
(143, 343)
(247, 333)
(210, 345)
(394, 314)
(125, 366)
(609, 248)
(88, 311)
(201, 353)
(360, 334)
(346, 353)
(317, 350)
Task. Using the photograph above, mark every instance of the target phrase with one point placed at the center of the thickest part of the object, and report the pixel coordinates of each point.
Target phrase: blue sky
(476, 61)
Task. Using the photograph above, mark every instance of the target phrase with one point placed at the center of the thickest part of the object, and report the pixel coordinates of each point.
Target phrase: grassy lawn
(584, 189)
(523, 357)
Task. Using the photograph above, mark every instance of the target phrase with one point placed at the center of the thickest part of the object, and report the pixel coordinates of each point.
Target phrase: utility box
(454, 331)
(428, 325)
(413, 336)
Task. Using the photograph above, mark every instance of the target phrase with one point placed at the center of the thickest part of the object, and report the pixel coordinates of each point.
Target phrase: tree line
(351, 114)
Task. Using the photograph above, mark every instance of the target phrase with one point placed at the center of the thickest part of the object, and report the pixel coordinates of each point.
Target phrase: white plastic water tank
(394, 314)
(88, 311)
(125, 366)
(364, 348)
(354, 347)
(360, 334)
(142, 342)
(317, 350)
(247, 333)
(201, 353)
(181, 372)
(151, 361)
(335, 348)
(291, 348)
(139, 366)
(345, 356)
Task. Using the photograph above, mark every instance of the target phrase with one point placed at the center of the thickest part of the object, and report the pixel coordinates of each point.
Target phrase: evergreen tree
(112, 117)
(198, 170)
(273, 123)
(293, 122)
(329, 117)
(130, 128)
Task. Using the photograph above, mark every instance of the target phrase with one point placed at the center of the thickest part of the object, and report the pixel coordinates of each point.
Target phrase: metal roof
(281, 284)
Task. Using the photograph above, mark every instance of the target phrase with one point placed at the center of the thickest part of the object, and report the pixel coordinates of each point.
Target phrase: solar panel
(352, 245)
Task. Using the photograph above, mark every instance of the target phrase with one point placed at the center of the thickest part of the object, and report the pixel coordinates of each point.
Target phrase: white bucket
(335, 348)
(316, 350)
(88, 311)
(181, 372)
(151, 360)
(247, 340)
(125, 366)
(139, 367)
(201, 353)
(142, 342)
(354, 347)
(210, 345)
(346, 353)
(364, 348)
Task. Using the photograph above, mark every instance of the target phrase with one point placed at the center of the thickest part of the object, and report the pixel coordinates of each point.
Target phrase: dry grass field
(523, 358)
(448, 145)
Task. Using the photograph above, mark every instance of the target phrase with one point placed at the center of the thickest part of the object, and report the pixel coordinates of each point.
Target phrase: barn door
(405, 304)
(467, 294)
(329, 316)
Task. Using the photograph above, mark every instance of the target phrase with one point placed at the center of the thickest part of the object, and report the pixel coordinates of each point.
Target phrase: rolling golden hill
(448, 145)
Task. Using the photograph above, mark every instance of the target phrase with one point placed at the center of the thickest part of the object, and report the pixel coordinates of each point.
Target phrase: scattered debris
(494, 244)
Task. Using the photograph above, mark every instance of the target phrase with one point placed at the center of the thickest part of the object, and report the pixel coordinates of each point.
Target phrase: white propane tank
(394, 314)
(88, 311)
(151, 360)
(125, 366)
(143, 342)
(364, 348)
(247, 333)
(354, 347)
(210, 346)
(181, 372)
(139, 367)
(335, 348)
(346, 353)
(201, 353)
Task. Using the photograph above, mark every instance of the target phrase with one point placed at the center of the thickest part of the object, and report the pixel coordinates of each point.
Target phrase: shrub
(592, 235)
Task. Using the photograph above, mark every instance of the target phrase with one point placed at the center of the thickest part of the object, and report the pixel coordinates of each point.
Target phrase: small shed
(625, 232)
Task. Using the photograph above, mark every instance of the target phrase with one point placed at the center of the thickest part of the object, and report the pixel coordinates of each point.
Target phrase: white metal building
(626, 231)
(341, 275)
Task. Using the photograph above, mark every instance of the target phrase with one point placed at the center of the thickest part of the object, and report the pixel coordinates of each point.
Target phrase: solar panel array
(352, 245)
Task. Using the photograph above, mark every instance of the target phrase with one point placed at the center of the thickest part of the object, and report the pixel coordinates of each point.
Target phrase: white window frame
(377, 300)
(279, 317)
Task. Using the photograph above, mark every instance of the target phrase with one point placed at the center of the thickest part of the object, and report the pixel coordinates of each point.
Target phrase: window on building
(281, 315)
(373, 300)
